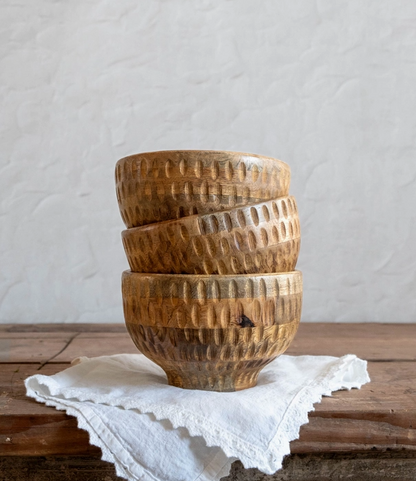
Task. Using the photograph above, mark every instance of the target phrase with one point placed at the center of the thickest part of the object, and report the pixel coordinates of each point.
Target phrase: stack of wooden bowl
(212, 241)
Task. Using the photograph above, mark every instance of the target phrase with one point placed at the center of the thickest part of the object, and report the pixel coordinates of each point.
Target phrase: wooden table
(367, 434)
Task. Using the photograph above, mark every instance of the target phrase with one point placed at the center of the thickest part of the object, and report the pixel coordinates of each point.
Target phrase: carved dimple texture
(168, 184)
(229, 170)
(225, 246)
(218, 243)
(183, 165)
(215, 170)
(264, 237)
(214, 224)
(255, 173)
(211, 247)
(215, 291)
(220, 359)
(199, 168)
(198, 249)
(228, 222)
(204, 192)
(266, 213)
(242, 172)
(254, 216)
(184, 233)
(241, 218)
(271, 299)
(201, 226)
(239, 240)
(188, 191)
(187, 293)
(168, 168)
(209, 332)
(202, 292)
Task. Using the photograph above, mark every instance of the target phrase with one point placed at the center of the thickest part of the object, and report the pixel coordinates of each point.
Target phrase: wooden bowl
(158, 186)
(262, 238)
(212, 332)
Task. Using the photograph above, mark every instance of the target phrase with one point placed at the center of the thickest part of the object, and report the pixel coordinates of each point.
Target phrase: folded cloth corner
(153, 431)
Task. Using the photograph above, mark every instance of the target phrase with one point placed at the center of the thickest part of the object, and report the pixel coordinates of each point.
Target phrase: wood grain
(35, 330)
(158, 186)
(394, 466)
(335, 467)
(221, 360)
(202, 301)
(374, 342)
(214, 333)
(261, 238)
(365, 435)
(370, 341)
(380, 416)
(36, 350)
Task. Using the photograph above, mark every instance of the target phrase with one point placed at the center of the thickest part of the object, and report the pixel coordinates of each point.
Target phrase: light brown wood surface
(261, 238)
(190, 324)
(157, 186)
(36, 343)
(213, 333)
(379, 416)
(202, 301)
(222, 360)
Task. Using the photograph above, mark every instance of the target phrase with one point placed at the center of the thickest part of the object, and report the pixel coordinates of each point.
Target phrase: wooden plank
(30, 350)
(38, 350)
(375, 342)
(368, 341)
(310, 467)
(390, 393)
(381, 416)
(102, 345)
(57, 468)
(356, 434)
(36, 335)
(56, 328)
(333, 467)
(31, 428)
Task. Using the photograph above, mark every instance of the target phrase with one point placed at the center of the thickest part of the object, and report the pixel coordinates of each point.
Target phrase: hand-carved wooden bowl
(212, 332)
(158, 186)
(262, 238)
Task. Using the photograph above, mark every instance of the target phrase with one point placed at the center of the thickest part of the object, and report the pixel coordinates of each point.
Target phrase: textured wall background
(327, 86)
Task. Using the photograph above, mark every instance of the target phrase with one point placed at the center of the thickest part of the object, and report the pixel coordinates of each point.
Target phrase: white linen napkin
(153, 431)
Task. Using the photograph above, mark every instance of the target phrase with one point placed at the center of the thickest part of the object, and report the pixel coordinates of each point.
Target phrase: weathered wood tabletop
(365, 434)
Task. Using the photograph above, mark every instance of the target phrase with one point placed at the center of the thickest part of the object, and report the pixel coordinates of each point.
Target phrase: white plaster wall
(327, 86)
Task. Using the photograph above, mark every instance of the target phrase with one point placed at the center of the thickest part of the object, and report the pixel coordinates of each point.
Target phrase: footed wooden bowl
(212, 332)
(159, 186)
(261, 238)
